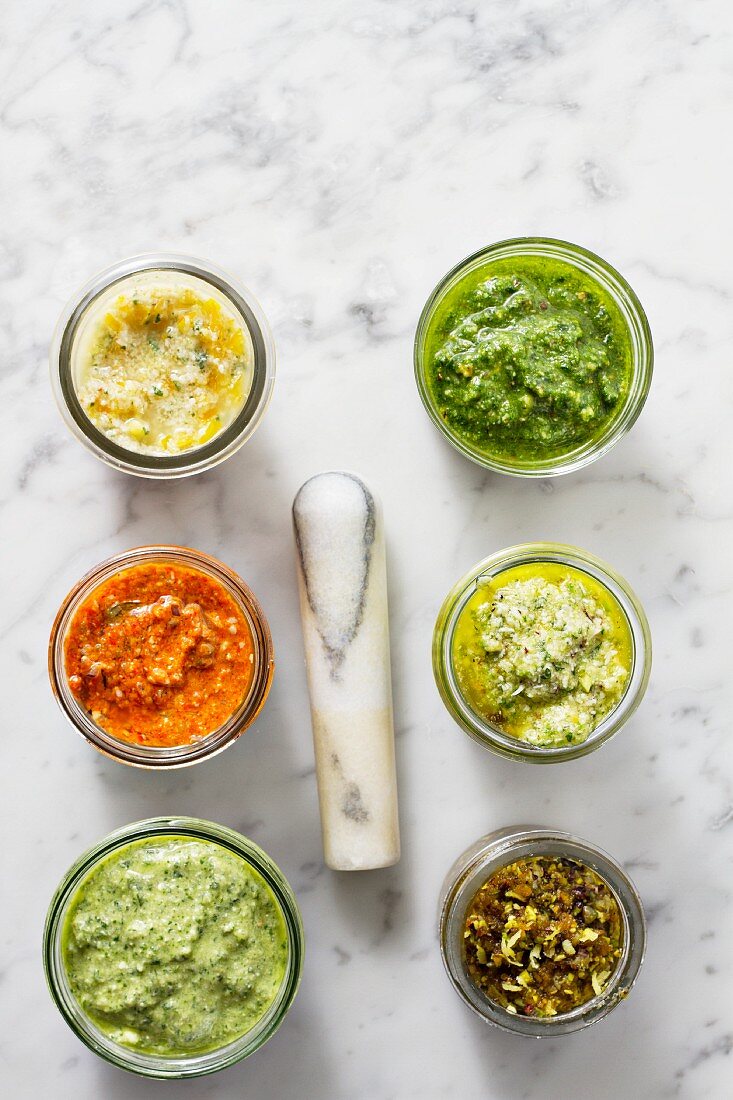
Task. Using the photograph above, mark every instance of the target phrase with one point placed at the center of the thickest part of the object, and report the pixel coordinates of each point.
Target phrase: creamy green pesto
(543, 653)
(527, 358)
(174, 946)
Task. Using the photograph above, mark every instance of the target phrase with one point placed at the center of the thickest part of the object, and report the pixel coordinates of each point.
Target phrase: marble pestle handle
(342, 577)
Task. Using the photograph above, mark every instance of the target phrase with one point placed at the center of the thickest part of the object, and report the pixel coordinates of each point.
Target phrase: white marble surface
(339, 157)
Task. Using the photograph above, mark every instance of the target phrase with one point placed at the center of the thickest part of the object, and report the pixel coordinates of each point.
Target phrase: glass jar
(491, 737)
(95, 296)
(496, 850)
(152, 756)
(154, 1065)
(640, 340)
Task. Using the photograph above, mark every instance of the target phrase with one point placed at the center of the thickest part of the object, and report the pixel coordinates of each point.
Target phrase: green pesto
(174, 946)
(527, 358)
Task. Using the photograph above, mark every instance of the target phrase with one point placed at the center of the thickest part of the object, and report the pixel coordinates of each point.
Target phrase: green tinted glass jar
(125, 1056)
(582, 564)
(625, 324)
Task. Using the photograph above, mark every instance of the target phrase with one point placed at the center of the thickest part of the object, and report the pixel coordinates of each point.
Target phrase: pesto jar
(164, 272)
(621, 308)
(505, 846)
(144, 755)
(157, 1065)
(582, 565)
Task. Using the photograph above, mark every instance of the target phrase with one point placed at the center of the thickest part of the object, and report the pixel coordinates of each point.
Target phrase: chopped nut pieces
(543, 936)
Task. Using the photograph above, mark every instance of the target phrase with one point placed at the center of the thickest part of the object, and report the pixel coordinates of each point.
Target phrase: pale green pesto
(174, 946)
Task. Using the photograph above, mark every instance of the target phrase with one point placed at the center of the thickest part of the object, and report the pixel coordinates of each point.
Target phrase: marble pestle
(342, 576)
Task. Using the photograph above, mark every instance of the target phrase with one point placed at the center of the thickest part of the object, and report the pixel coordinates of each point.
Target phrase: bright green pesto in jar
(527, 358)
(174, 946)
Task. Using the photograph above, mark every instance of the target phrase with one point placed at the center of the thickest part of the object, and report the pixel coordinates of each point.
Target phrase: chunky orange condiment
(159, 655)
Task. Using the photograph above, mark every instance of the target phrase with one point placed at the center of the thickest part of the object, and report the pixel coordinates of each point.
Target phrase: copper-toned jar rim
(174, 756)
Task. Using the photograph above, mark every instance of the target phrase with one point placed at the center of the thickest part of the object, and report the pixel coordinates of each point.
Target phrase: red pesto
(159, 655)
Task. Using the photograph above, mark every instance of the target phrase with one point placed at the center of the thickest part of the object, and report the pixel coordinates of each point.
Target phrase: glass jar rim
(527, 553)
(231, 438)
(635, 319)
(151, 756)
(159, 1066)
(496, 850)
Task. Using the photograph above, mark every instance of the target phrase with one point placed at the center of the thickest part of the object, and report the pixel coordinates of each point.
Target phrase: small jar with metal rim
(479, 727)
(127, 1057)
(71, 341)
(164, 756)
(498, 849)
(612, 284)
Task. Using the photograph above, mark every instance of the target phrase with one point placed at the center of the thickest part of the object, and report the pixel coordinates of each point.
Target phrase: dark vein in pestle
(337, 655)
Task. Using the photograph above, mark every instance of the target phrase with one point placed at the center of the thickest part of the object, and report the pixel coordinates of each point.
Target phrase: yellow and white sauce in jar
(163, 368)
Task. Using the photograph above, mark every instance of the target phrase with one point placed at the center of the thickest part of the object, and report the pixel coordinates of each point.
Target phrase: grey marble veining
(339, 530)
(339, 158)
(323, 556)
